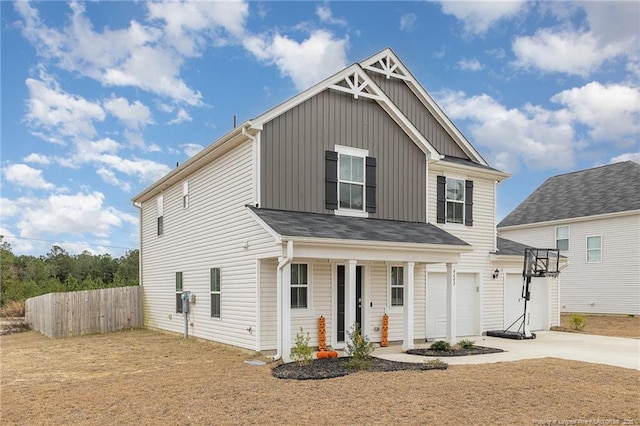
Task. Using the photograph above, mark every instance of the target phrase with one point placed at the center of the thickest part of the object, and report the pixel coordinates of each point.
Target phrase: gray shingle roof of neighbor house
(316, 225)
(607, 189)
(510, 248)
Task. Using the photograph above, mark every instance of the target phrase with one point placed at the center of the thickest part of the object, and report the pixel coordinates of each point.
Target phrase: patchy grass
(603, 325)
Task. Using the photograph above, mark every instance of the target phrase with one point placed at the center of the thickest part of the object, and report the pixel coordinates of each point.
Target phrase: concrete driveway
(615, 351)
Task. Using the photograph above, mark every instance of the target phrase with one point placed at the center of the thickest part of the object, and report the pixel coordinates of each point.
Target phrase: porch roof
(325, 226)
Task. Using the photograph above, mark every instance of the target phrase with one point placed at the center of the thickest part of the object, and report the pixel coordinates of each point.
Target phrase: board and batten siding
(293, 149)
(609, 287)
(418, 114)
(216, 230)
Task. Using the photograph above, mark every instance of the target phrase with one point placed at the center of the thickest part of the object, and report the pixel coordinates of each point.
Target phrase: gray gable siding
(417, 113)
(607, 189)
(293, 149)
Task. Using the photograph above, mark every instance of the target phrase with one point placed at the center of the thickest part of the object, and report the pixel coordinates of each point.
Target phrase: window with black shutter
(454, 201)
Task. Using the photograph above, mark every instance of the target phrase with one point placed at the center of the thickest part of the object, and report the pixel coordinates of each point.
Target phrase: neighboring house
(593, 217)
(356, 198)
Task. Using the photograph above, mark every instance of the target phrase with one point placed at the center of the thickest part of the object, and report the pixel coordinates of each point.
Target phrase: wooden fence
(85, 312)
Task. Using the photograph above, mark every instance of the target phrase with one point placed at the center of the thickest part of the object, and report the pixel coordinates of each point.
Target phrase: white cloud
(37, 159)
(147, 171)
(408, 21)
(532, 135)
(612, 111)
(479, 16)
(110, 177)
(191, 149)
(306, 63)
(25, 176)
(326, 15)
(469, 64)
(612, 33)
(135, 115)
(182, 116)
(629, 156)
(52, 108)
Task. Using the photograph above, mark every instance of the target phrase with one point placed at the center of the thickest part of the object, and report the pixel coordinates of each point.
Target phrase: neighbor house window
(160, 220)
(397, 286)
(185, 195)
(179, 292)
(562, 238)
(351, 182)
(299, 286)
(455, 200)
(594, 249)
(215, 292)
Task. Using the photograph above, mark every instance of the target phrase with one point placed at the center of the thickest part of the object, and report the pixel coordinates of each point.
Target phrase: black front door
(341, 301)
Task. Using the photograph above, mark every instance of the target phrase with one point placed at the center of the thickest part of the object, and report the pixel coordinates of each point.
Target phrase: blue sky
(100, 99)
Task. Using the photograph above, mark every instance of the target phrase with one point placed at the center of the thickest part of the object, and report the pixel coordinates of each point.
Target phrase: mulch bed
(478, 350)
(335, 367)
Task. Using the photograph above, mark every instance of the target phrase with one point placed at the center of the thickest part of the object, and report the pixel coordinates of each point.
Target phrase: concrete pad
(615, 351)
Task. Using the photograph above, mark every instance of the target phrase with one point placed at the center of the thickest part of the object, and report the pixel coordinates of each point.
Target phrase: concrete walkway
(615, 351)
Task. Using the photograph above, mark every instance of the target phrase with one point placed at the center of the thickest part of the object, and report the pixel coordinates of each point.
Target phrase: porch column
(286, 313)
(451, 304)
(350, 296)
(407, 303)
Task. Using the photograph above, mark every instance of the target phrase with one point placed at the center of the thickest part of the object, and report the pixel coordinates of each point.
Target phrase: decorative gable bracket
(356, 85)
(388, 66)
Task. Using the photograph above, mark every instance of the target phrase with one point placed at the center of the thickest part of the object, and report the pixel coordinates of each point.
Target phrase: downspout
(284, 261)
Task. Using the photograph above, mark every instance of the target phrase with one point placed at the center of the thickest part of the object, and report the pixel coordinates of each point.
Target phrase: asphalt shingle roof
(601, 190)
(510, 248)
(315, 225)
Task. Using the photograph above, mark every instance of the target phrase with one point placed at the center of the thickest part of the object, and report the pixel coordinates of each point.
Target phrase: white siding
(211, 232)
(609, 287)
(268, 304)
(320, 300)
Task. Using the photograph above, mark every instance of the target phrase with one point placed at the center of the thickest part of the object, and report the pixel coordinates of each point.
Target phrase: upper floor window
(397, 286)
(350, 181)
(594, 249)
(185, 194)
(562, 238)
(299, 286)
(159, 215)
(454, 200)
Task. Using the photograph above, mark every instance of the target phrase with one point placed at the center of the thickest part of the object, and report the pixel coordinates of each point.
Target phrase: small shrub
(358, 349)
(13, 308)
(435, 363)
(440, 345)
(576, 322)
(467, 344)
(302, 353)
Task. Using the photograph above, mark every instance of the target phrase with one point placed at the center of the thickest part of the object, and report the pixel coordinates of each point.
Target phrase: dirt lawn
(606, 325)
(147, 377)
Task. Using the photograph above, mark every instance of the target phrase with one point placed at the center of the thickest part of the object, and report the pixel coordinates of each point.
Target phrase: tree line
(26, 276)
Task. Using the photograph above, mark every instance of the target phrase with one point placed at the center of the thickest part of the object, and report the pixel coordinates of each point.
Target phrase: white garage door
(538, 306)
(466, 305)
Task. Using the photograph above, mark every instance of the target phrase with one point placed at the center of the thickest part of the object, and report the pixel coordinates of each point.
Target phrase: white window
(299, 286)
(396, 281)
(562, 238)
(185, 195)
(455, 200)
(179, 292)
(160, 220)
(594, 249)
(351, 178)
(215, 292)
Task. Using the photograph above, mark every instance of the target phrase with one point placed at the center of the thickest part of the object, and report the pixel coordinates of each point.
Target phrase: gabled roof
(509, 248)
(290, 224)
(598, 191)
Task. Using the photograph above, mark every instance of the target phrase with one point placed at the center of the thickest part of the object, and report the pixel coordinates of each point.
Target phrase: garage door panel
(466, 305)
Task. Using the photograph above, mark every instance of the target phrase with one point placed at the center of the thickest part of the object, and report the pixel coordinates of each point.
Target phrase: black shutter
(371, 184)
(442, 188)
(468, 203)
(331, 180)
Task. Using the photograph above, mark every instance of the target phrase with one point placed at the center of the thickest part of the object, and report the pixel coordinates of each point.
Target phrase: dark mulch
(335, 367)
(478, 350)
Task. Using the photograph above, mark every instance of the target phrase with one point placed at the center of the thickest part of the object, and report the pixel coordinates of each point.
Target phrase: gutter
(284, 261)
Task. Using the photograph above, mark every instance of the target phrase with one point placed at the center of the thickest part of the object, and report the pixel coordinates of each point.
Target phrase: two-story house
(593, 217)
(354, 199)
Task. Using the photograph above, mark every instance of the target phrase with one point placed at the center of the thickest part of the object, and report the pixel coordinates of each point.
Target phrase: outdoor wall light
(496, 273)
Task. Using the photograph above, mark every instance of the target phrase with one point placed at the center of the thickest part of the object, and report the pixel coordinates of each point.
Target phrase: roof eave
(450, 248)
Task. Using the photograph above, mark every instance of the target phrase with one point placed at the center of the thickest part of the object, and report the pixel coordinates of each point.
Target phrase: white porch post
(286, 313)
(350, 296)
(407, 303)
(451, 303)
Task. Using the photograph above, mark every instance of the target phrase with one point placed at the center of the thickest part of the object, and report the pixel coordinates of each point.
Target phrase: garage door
(515, 303)
(466, 305)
